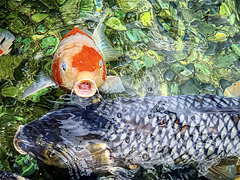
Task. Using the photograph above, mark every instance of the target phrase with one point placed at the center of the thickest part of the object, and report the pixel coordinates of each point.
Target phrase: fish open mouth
(85, 88)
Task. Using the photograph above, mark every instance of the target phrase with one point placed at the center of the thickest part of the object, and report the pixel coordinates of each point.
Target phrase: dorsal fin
(108, 52)
(74, 31)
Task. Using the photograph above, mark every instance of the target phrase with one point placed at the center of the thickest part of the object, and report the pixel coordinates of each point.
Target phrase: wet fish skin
(9, 176)
(110, 135)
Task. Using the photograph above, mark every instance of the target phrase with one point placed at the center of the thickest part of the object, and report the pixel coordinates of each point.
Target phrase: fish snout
(17, 141)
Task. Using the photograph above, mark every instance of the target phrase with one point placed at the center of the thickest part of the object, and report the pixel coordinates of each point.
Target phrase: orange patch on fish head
(91, 71)
(1, 51)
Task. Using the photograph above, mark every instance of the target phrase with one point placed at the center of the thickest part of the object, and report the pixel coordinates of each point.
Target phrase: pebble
(225, 83)
(191, 67)
(38, 17)
(115, 23)
(237, 64)
(208, 86)
(191, 86)
(169, 75)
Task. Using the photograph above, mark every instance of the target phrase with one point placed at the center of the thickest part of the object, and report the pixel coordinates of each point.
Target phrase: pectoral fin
(112, 84)
(225, 170)
(43, 82)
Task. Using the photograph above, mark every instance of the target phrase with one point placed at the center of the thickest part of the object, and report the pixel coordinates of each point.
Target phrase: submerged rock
(224, 83)
(9, 91)
(38, 17)
(51, 43)
(191, 86)
(169, 75)
(136, 35)
(129, 5)
(115, 23)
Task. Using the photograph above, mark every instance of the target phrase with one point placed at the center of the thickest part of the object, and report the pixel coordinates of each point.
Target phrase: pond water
(176, 47)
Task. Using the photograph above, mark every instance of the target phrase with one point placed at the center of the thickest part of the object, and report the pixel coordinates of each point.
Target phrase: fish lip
(16, 141)
(83, 93)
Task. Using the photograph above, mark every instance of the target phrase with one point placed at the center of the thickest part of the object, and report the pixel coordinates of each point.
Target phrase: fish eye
(64, 66)
(100, 63)
(59, 54)
(51, 154)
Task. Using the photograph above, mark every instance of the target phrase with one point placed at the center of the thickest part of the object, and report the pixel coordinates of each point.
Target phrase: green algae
(8, 65)
(51, 4)
(147, 61)
(226, 60)
(86, 7)
(9, 91)
(26, 164)
(26, 43)
(61, 1)
(207, 29)
(119, 14)
(17, 25)
(236, 48)
(51, 43)
(191, 86)
(146, 18)
(137, 35)
(182, 71)
(138, 64)
(129, 5)
(115, 23)
(38, 17)
(11, 4)
(36, 97)
(174, 88)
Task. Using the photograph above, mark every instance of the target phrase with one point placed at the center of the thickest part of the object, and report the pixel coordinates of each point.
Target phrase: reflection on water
(169, 48)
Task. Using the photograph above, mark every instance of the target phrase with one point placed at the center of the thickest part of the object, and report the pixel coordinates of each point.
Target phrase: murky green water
(169, 48)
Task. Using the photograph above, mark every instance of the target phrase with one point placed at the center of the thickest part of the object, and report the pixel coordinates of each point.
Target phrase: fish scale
(213, 119)
(149, 130)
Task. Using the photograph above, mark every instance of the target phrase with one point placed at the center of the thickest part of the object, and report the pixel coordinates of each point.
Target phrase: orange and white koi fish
(79, 66)
(6, 40)
(233, 90)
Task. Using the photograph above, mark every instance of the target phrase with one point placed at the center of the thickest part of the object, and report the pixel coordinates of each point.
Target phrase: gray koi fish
(119, 135)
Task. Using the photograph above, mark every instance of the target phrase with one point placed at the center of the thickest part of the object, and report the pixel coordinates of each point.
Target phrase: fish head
(38, 144)
(67, 138)
(78, 64)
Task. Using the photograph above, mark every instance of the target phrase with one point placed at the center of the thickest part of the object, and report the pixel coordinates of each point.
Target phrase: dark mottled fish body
(110, 135)
(10, 176)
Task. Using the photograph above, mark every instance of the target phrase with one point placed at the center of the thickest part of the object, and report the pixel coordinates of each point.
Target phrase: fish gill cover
(169, 48)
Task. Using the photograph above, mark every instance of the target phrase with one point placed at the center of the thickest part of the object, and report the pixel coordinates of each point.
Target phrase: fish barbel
(112, 135)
